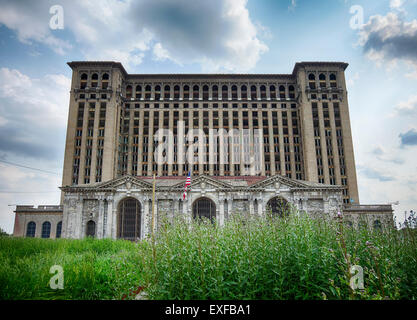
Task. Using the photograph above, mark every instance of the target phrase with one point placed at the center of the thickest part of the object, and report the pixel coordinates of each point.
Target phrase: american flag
(187, 184)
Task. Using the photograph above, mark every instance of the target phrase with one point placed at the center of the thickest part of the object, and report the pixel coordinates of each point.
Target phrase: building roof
(298, 65)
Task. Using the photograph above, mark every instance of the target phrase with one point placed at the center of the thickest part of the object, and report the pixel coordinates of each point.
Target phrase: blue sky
(184, 36)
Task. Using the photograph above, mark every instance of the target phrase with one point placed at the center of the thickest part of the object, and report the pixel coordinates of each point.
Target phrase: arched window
(105, 81)
(157, 92)
(83, 81)
(215, 92)
(91, 229)
(176, 92)
(377, 225)
(129, 92)
(322, 80)
(272, 92)
(205, 92)
(58, 230)
(31, 229)
(94, 80)
(312, 81)
(167, 92)
(253, 93)
(333, 82)
(263, 92)
(46, 229)
(282, 92)
(244, 92)
(278, 207)
(234, 92)
(129, 219)
(204, 208)
(291, 91)
(138, 92)
(225, 92)
(196, 92)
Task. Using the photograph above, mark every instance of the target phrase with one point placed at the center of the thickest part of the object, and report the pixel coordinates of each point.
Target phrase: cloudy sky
(378, 38)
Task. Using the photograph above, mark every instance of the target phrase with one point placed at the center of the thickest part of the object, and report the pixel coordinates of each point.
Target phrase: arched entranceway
(129, 218)
(91, 229)
(278, 207)
(204, 208)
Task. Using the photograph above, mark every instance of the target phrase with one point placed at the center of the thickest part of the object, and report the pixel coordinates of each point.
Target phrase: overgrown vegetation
(293, 257)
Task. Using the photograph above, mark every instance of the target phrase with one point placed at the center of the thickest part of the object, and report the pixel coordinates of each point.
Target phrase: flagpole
(153, 205)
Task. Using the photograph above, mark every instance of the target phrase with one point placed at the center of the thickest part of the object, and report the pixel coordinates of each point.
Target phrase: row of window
(46, 229)
(243, 92)
(94, 81)
(377, 225)
(322, 81)
(206, 106)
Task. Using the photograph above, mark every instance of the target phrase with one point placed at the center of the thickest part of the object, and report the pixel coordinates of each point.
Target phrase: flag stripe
(187, 184)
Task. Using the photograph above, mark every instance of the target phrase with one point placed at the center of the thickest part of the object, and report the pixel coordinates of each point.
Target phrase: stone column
(221, 143)
(211, 151)
(323, 145)
(110, 213)
(150, 142)
(231, 151)
(336, 161)
(251, 207)
(140, 145)
(271, 142)
(291, 140)
(241, 156)
(130, 142)
(281, 143)
(261, 126)
(114, 223)
(200, 143)
(79, 220)
(260, 206)
(170, 140)
(146, 224)
(181, 142)
(100, 218)
(221, 212)
(160, 126)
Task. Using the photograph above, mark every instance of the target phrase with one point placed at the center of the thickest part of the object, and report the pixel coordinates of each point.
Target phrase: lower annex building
(252, 143)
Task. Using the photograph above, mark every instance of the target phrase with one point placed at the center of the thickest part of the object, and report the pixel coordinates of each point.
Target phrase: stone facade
(231, 196)
(26, 214)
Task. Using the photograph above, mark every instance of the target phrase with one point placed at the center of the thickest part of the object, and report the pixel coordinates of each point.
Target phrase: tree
(3, 233)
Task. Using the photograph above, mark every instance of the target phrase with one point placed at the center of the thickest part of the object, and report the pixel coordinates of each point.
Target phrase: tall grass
(294, 257)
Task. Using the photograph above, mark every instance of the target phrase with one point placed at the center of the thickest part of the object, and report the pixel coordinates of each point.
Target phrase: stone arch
(278, 207)
(129, 219)
(204, 207)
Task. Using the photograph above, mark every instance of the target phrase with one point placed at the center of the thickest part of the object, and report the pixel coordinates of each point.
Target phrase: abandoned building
(251, 143)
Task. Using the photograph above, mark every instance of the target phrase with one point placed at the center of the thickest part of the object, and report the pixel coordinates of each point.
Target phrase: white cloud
(42, 101)
(217, 33)
(160, 53)
(407, 108)
(352, 80)
(389, 39)
(31, 23)
(34, 113)
(396, 4)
